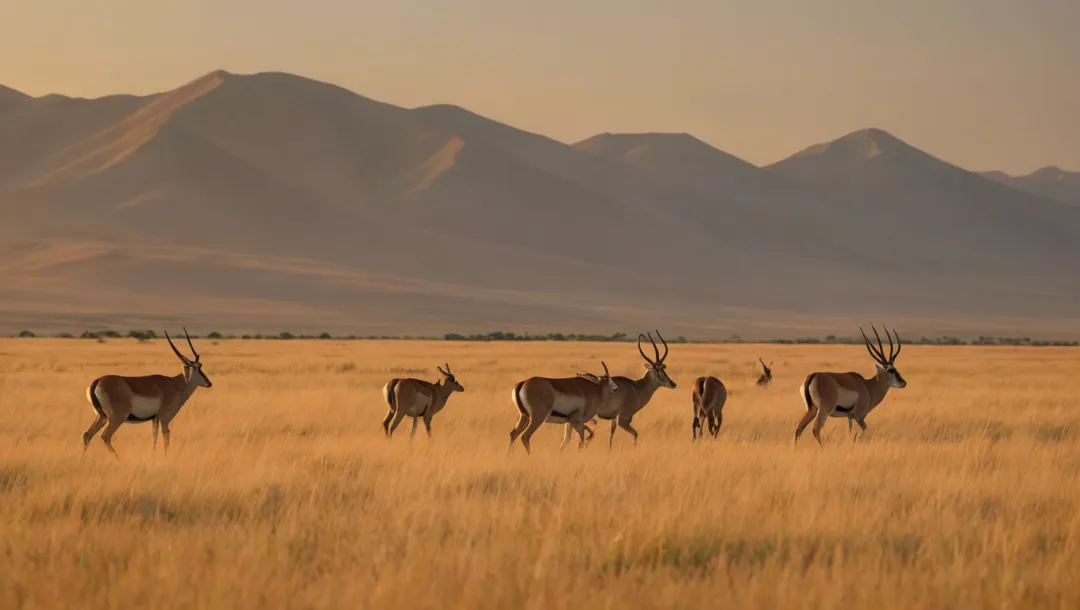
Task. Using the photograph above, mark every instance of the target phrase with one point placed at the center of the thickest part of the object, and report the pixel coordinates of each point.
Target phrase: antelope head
(449, 379)
(766, 375)
(606, 383)
(193, 373)
(656, 366)
(885, 365)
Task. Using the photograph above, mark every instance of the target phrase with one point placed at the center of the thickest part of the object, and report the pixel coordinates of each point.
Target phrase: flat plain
(279, 489)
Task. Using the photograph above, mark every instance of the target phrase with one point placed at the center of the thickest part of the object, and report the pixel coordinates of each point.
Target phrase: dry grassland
(280, 492)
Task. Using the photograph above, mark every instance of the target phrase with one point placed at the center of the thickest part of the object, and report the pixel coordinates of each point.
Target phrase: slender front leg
(566, 435)
(165, 436)
(155, 424)
(625, 425)
(427, 425)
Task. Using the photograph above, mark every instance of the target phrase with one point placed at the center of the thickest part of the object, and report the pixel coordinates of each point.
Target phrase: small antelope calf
(709, 398)
(418, 399)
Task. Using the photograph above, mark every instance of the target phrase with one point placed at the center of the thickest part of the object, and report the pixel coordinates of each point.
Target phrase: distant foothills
(269, 201)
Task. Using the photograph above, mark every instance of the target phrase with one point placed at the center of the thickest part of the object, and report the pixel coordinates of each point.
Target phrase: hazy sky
(986, 84)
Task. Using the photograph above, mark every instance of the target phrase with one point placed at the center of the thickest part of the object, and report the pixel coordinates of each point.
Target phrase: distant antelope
(709, 398)
(417, 399)
(634, 394)
(567, 400)
(155, 398)
(766, 376)
(850, 395)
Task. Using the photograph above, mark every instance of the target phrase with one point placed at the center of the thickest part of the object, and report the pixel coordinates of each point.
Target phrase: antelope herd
(574, 402)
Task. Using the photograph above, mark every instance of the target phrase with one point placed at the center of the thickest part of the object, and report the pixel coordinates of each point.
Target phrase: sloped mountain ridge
(270, 201)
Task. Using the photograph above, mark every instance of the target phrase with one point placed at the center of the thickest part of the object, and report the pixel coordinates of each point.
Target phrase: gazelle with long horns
(766, 376)
(567, 400)
(709, 398)
(634, 394)
(152, 398)
(850, 395)
(418, 399)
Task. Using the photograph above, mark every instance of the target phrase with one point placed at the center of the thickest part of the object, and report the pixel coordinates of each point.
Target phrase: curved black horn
(879, 357)
(664, 357)
(190, 345)
(606, 372)
(656, 350)
(182, 357)
(899, 345)
(639, 338)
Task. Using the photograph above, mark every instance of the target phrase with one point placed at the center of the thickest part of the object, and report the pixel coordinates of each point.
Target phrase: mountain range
(268, 202)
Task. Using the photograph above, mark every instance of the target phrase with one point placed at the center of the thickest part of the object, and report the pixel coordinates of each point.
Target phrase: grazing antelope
(850, 395)
(417, 399)
(766, 376)
(153, 398)
(709, 398)
(634, 394)
(567, 400)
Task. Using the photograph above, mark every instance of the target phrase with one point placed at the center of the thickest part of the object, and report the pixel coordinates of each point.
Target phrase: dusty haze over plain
(987, 85)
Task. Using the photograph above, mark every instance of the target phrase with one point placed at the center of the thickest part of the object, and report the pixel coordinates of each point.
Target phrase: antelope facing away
(709, 398)
(417, 399)
(634, 394)
(152, 398)
(567, 400)
(766, 375)
(850, 395)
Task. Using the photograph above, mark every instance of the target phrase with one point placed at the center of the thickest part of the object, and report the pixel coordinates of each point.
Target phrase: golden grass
(280, 491)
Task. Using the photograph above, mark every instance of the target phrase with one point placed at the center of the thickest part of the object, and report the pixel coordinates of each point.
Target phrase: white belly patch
(845, 402)
(143, 407)
(565, 406)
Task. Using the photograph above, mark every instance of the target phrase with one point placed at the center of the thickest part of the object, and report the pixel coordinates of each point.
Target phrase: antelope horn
(182, 357)
(878, 356)
(665, 346)
(899, 345)
(190, 345)
(639, 338)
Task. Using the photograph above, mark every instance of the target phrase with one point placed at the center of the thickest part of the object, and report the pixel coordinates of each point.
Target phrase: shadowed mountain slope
(271, 201)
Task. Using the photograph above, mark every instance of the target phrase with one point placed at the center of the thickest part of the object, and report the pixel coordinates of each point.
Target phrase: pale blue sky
(986, 84)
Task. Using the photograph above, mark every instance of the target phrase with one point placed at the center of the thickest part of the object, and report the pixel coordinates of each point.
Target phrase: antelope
(567, 400)
(417, 399)
(850, 395)
(709, 398)
(766, 375)
(152, 398)
(634, 394)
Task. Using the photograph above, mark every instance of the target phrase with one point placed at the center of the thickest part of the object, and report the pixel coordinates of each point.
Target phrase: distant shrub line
(146, 335)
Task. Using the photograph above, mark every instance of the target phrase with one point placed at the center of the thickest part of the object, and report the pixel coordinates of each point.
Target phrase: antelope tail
(810, 406)
(517, 398)
(390, 394)
(91, 395)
